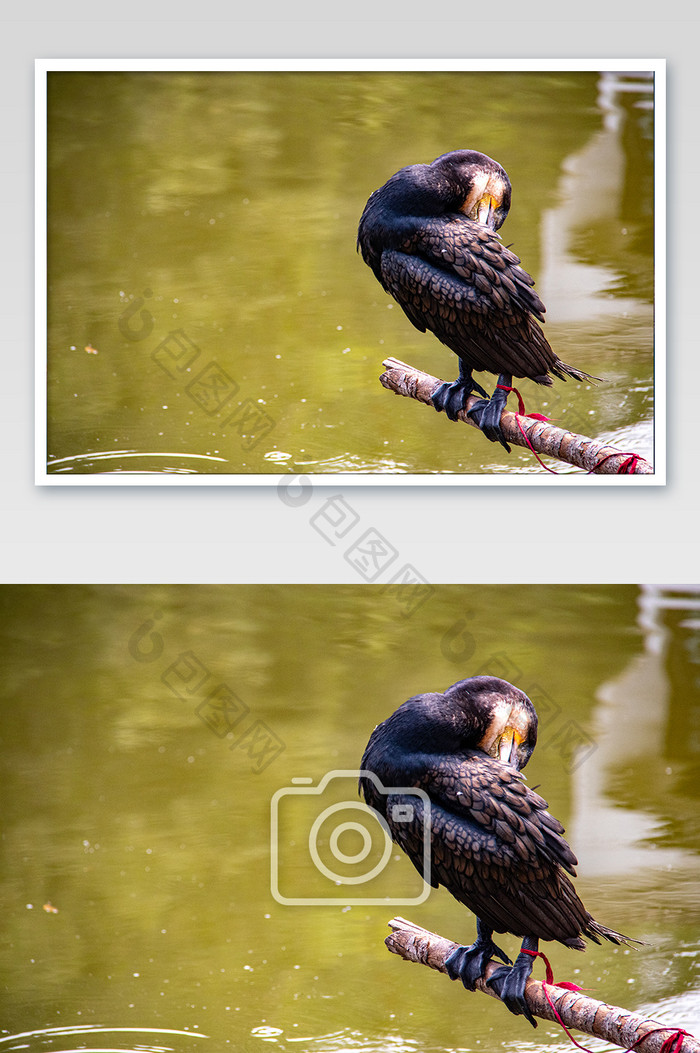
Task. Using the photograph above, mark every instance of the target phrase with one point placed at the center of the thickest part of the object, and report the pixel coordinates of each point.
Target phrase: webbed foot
(468, 964)
(509, 984)
(453, 397)
(487, 415)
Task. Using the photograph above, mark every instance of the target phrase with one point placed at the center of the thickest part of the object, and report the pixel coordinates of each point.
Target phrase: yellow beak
(483, 209)
(508, 747)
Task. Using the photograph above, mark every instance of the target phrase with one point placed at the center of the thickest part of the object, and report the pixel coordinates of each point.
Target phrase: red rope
(564, 983)
(674, 1042)
(532, 449)
(521, 404)
(627, 467)
(534, 416)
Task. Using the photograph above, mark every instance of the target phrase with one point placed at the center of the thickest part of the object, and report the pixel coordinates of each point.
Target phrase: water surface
(208, 312)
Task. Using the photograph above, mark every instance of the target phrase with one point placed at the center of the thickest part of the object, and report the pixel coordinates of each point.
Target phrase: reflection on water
(59, 1038)
(103, 461)
(146, 729)
(205, 296)
(634, 710)
(118, 460)
(579, 281)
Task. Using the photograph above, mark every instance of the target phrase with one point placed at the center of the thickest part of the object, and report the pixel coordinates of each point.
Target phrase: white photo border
(43, 66)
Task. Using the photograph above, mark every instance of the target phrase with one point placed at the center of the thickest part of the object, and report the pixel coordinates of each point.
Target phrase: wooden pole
(575, 1009)
(544, 438)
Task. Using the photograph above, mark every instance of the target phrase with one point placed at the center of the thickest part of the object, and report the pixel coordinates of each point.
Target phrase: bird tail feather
(594, 930)
(561, 370)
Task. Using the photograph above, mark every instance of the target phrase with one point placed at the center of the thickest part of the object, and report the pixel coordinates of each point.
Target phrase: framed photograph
(204, 316)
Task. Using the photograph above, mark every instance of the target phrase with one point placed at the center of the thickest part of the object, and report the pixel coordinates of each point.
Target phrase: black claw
(487, 414)
(451, 398)
(509, 984)
(468, 964)
(496, 952)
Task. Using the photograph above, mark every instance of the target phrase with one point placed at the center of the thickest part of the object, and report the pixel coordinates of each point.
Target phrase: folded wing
(495, 847)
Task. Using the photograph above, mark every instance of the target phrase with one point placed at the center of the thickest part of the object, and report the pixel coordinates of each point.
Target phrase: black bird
(429, 235)
(493, 844)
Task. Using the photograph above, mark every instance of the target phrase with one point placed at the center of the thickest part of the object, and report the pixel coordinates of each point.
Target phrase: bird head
(482, 713)
(494, 717)
(481, 186)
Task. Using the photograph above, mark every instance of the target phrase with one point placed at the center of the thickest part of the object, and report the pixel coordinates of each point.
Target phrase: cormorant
(493, 844)
(429, 235)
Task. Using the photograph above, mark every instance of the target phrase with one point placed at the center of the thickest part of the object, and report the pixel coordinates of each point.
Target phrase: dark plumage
(429, 235)
(493, 844)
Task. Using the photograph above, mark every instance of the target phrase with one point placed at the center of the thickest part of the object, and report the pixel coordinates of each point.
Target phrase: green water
(207, 309)
(145, 731)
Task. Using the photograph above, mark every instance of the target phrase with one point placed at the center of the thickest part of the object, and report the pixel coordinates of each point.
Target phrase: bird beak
(508, 747)
(484, 211)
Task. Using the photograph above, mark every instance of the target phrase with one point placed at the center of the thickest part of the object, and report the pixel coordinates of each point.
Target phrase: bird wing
(495, 847)
(456, 278)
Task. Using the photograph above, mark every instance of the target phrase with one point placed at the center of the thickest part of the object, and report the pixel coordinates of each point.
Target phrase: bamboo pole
(544, 438)
(575, 1009)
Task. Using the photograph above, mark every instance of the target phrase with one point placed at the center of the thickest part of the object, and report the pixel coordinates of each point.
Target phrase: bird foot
(486, 414)
(452, 398)
(509, 984)
(468, 964)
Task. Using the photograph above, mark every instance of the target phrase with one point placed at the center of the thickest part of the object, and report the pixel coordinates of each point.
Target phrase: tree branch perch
(576, 1010)
(545, 438)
